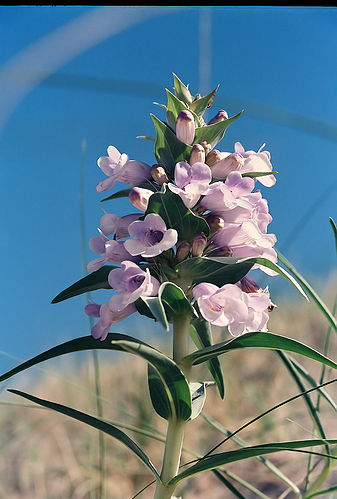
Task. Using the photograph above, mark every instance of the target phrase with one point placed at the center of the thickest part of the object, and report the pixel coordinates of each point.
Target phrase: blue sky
(98, 82)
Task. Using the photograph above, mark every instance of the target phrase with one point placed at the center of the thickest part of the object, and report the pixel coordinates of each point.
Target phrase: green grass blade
(95, 423)
(216, 460)
(276, 471)
(257, 340)
(334, 229)
(322, 492)
(311, 293)
(243, 482)
(228, 484)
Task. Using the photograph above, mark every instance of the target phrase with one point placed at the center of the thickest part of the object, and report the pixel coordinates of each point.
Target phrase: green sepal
(181, 90)
(91, 282)
(172, 210)
(199, 106)
(168, 149)
(213, 133)
(95, 423)
(201, 334)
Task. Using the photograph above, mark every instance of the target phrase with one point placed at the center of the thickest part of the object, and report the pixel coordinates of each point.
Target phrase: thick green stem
(175, 430)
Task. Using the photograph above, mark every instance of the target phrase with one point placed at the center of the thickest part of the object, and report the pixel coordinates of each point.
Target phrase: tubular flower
(190, 181)
(110, 250)
(106, 318)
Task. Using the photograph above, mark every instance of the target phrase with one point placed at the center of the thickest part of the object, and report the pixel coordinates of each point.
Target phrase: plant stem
(175, 429)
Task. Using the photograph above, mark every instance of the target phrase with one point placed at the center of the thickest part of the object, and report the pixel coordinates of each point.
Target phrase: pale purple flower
(258, 303)
(257, 162)
(118, 167)
(111, 251)
(221, 306)
(107, 317)
(228, 163)
(191, 181)
(113, 224)
(150, 237)
(185, 127)
(139, 198)
(132, 282)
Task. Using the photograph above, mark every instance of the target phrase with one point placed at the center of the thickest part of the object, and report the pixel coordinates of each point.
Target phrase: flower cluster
(205, 184)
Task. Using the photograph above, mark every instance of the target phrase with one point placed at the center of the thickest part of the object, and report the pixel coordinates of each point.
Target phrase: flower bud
(199, 244)
(197, 154)
(213, 157)
(232, 162)
(248, 285)
(215, 222)
(207, 146)
(185, 127)
(220, 116)
(139, 198)
(225, 251)
(159, 175)
(183, 251)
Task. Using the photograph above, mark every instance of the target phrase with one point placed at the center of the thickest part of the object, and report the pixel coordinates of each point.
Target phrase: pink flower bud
(197, 154)
(159, 175)
(213, 157)
(215, 222)
(232, 162)
(207, 146)
(199, 244)
(183, 251)
(139, 198)
(248, 285)
(185, 127)
(225, 251)
(220, 116)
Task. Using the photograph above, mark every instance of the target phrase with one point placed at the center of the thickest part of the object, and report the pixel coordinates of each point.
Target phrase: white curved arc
(36, 62)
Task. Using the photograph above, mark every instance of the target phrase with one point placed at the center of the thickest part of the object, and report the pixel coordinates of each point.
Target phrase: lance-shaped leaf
(95, 280)
(76, 345)
(156, 308)
(158, 394)
(216, 460)
(199, 106)
(213, 133)
(174, 300)
(258, 339)
(168, 149)
(174, 106)
(95, 423)
(172, 210)
(173, 380)
(201, 334)
(218, 271)
(257, 174)
(266, 263)
(181, 90)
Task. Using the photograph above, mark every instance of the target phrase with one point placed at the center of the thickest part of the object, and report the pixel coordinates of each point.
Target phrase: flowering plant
(183, 259)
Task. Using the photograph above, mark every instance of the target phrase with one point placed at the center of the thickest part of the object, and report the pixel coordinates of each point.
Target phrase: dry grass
(45, 455)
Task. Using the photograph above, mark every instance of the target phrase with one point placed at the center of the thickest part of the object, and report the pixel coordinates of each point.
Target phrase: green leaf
(324, 492)
(198, 394)
(171, 208)
(159, 398)
(216, 460)
(201, 334)
(168, 149)
(146, 137)
(213, 133)
(218, 271)
(95, 423)
(174, 106)
(173, 380)
(200, 105)
(76, 345)
(334, 230)
(174, 300)
(95, 280)
(258, 339)
(181, 90)
(119, 194)
(156, 308)
(309, 290)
